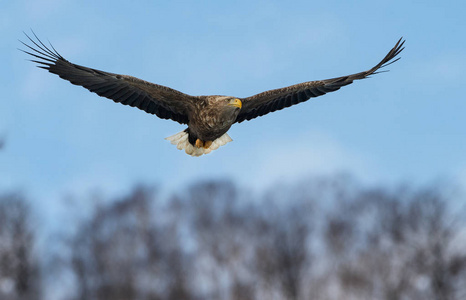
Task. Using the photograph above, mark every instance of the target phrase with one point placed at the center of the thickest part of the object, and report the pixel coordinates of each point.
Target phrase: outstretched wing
(156, 99)
(272, 100)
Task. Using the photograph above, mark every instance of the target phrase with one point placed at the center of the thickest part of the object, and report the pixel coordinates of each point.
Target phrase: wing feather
(272, 100)
(152, 98)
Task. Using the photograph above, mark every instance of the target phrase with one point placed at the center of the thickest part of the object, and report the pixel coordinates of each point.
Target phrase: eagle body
(209, 122)
(212, 118)
(208, 117)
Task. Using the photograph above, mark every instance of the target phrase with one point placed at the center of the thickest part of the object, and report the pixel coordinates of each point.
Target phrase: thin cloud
(310, 153)
(445, 69)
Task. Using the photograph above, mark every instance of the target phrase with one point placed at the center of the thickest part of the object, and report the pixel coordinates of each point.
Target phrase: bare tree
(219, 224)
(327, 239)
(19, 268)
(2, 141)
(109, 250)
(126, 251)
(282, 252)
(404, 249)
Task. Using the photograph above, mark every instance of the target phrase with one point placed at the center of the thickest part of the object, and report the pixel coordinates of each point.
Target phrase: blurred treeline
(319, 239)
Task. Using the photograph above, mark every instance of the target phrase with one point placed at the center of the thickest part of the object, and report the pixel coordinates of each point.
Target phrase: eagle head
(230, 109)
(235, 102)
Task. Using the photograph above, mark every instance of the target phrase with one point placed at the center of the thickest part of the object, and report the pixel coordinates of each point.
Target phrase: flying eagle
(208, 117)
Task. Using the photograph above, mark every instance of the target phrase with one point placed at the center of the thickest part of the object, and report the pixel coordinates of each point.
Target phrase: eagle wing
(272, 100)
(164, 102)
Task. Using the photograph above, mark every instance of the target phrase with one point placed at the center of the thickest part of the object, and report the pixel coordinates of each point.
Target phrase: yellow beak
(236, 103)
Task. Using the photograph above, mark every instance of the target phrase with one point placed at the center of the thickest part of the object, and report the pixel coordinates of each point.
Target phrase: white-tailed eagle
(208, 117)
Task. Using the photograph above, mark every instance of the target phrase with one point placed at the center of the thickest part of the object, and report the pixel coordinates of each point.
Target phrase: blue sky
(405, 125)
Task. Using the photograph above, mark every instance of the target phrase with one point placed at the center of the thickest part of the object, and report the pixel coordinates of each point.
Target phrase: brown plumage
(208, 117)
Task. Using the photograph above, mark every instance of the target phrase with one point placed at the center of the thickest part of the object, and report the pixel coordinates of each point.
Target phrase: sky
(406, 125)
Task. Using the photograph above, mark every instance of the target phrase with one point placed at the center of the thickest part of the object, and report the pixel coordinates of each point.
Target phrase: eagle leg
(207, 144)
(199, 143)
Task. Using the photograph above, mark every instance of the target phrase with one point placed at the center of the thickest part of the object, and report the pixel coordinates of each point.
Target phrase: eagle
(208, 117)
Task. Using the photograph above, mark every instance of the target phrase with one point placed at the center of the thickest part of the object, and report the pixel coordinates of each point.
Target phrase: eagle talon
(207, 144)
(199, 143)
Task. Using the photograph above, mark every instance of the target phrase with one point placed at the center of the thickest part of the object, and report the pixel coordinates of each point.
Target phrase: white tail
(181, 141)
